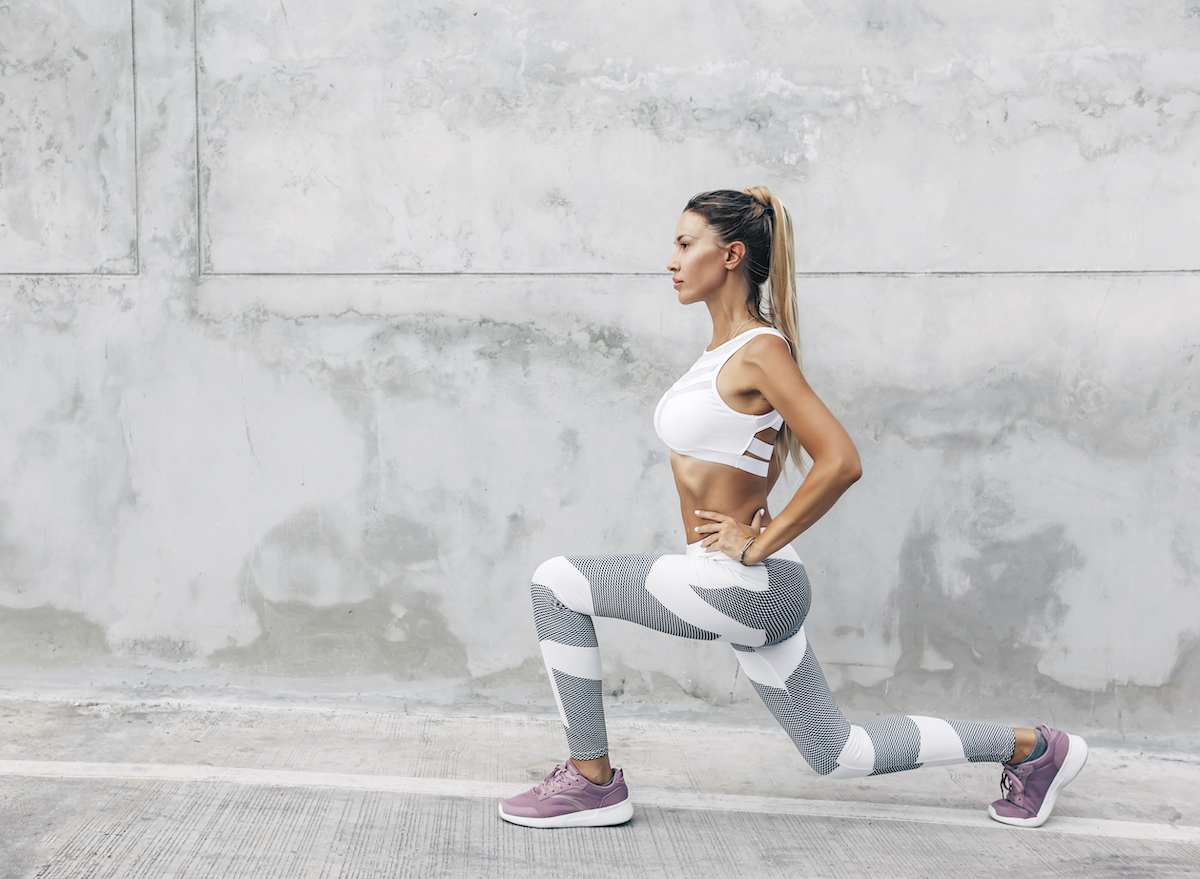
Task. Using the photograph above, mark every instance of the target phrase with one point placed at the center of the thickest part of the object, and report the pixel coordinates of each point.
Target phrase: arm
(768, 368)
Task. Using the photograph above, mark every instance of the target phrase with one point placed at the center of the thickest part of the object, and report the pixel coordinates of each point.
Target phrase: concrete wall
(321, 324)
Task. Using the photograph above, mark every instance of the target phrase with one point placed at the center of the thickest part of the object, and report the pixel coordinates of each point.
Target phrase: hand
(726, 533)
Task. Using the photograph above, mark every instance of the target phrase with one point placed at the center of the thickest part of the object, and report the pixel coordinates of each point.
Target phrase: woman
(731, 422)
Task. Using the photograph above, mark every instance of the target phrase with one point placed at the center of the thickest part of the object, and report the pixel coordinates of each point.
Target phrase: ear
(734, 256)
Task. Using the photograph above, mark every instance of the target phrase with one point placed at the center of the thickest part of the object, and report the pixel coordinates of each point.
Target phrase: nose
(673, 265)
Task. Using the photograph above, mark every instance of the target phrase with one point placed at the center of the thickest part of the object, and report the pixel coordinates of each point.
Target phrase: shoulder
(767, 349)
(768, 366)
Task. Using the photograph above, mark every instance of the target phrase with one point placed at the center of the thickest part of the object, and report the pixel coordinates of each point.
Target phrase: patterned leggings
(760, 609)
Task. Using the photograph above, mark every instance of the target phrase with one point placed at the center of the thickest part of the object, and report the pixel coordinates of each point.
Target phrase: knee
(566, 582)
(838, 753)
(547, 571)
(856, 758)
(821, 756)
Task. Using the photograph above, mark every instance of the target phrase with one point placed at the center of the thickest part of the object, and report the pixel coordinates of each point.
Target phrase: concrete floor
(162, 789)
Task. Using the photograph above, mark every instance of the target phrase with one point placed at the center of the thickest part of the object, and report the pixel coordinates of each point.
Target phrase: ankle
(598, 772)
(599, 778)
(1030, 753)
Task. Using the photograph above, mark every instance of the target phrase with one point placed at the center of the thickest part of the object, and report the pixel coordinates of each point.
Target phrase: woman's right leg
(790, 681)
(1037, 765)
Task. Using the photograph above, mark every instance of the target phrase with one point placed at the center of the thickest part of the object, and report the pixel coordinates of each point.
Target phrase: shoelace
(555, 781)
(1010, 782)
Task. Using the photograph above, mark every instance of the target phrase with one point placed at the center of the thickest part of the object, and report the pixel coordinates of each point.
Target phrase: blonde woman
(732, 422)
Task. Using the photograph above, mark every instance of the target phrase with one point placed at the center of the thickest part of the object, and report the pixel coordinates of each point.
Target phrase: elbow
(841, 470)
(850, 470)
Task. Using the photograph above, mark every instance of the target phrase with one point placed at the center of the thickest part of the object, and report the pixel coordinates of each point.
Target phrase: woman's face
(698, 266)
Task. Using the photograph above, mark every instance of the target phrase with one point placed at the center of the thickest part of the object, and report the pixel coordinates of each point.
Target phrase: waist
(697, 550)
(708, 484)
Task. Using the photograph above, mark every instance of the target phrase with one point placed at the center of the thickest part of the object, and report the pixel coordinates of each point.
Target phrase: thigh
(701, 597)
(619, 587)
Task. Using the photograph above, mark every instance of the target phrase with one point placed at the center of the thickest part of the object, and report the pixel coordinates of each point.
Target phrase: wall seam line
(1081, 273)
(137, 164)
(196, 85)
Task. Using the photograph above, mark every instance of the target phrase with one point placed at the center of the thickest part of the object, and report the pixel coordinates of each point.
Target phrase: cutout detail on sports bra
(694, 420)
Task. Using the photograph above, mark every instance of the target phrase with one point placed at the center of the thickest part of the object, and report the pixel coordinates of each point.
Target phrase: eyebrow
(683, 235)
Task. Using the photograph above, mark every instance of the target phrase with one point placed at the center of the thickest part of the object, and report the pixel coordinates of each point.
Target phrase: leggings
(760, 610)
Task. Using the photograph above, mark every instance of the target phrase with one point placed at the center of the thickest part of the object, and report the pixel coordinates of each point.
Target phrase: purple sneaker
(1031, 788)
(567, 799)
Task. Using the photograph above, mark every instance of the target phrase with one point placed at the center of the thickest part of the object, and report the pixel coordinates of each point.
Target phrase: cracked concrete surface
(243, 790)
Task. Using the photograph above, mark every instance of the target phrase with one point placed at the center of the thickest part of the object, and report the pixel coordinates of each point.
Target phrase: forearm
(824, 484)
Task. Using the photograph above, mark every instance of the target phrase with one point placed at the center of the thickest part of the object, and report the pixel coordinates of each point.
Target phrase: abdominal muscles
(717, 488)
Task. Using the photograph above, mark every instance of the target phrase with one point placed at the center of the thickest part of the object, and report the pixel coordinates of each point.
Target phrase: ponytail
(784, 311)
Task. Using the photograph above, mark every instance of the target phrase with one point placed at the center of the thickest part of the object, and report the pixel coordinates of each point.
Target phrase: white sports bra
(693, 420)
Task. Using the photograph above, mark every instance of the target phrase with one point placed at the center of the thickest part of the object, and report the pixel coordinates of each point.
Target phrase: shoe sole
(1077, 754)
(618, 813)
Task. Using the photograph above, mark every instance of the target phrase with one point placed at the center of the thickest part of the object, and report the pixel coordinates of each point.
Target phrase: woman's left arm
(767, 366)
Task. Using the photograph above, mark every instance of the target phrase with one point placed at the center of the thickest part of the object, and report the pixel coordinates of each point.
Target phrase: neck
(729, 321)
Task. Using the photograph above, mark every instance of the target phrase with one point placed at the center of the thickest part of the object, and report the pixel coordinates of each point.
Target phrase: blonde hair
(757, 218)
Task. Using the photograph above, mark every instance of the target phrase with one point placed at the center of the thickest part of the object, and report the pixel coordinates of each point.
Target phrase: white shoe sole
(1077, 753)
(617, 813)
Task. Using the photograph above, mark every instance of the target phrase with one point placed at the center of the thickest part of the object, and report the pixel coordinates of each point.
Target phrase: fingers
(724, 531)
(712, 532)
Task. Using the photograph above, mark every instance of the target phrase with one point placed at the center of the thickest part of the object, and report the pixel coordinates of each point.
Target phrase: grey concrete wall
(322, 324)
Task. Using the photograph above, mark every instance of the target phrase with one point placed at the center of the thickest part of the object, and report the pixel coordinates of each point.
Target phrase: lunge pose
(732, 422)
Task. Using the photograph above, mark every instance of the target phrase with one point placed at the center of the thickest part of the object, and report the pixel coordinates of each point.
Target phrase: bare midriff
(717, 488)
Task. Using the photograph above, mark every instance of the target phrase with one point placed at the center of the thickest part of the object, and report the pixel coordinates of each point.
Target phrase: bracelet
(742, 554)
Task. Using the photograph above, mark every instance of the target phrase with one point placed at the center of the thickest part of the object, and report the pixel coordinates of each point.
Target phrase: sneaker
(1031, 788)
(567, 799)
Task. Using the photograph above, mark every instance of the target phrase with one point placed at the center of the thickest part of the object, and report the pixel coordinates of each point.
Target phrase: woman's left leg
(699, 596)
(568, 592)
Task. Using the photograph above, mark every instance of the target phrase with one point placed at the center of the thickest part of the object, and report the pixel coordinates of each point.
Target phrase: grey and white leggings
(760, 610)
